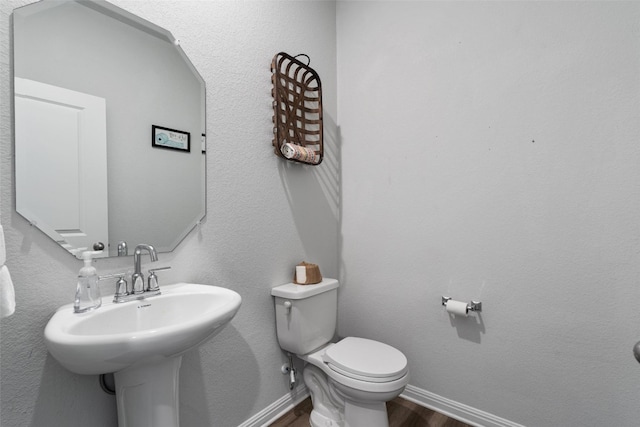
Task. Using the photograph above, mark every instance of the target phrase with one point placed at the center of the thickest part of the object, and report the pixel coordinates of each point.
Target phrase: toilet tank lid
(293, 291)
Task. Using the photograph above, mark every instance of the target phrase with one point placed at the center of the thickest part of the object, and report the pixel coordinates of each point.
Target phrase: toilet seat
(366, 360)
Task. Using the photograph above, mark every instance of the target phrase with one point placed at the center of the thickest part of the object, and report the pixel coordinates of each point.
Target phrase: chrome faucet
(138, 290)
(137, 279)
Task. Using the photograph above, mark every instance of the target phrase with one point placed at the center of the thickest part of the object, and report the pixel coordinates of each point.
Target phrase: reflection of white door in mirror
(61, 141)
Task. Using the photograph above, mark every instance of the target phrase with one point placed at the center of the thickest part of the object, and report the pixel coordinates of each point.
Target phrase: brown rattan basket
(297, 110)
(312, 274)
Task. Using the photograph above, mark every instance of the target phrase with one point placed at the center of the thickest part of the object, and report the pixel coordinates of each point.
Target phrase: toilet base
(328, 407)
(356, 415)
(336, 405)
(365, 415)
(319, 420)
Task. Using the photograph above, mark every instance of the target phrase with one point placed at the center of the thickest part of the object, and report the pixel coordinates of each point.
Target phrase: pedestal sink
(142, 343)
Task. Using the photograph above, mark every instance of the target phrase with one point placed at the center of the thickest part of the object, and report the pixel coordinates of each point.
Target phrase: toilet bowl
(363, 374)
(351, 380)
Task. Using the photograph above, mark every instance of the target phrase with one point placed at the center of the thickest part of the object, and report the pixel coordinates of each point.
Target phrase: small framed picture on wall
(171, 139)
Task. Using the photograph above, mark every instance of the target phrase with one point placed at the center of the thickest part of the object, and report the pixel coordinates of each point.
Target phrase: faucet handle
(123, 250)
(152, 281)
(121, 284)
(122, 287)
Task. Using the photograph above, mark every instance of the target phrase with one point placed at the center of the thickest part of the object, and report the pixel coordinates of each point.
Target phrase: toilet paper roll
(458, 308)
(301, 273)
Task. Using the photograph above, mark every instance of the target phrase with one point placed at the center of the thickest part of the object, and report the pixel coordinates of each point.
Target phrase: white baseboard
(453, 409)
(278, 408)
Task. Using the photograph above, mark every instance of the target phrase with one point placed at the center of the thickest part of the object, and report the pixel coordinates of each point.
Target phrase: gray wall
(264, 216)
(490, 151)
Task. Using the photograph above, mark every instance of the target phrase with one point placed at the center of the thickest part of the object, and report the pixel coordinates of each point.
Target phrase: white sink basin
(119, 336)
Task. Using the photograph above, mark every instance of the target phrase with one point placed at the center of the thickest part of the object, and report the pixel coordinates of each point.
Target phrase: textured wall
(263, 217)
(490, 151)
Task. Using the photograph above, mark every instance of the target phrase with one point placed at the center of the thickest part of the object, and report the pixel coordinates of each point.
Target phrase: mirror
(109, 127)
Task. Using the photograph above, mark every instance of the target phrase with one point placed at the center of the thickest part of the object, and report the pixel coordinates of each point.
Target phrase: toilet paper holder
(471, 306)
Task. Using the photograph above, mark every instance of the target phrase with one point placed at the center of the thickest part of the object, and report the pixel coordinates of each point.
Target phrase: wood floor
(402, 413)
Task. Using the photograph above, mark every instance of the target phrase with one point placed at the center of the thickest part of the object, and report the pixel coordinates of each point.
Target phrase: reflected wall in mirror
(91, 80)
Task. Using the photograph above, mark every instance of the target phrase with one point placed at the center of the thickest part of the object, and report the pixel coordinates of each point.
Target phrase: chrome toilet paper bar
(471, 306)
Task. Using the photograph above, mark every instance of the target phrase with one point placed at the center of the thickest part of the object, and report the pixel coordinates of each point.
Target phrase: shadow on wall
(472, 327)
(468, 328)
(218, 380)
(314, 195)
(63, 398)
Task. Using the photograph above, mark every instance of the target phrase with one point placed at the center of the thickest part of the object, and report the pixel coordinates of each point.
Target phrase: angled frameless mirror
(109, 127)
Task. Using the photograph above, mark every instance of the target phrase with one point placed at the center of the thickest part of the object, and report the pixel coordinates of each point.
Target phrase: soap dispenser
(87, 293)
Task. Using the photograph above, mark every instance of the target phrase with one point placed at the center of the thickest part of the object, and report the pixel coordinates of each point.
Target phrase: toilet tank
(306, 315)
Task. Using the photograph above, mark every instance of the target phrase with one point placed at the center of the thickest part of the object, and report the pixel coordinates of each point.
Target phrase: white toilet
(350, 381)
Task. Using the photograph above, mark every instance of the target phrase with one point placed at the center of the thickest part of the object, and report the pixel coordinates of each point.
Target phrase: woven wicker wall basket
(297, 110)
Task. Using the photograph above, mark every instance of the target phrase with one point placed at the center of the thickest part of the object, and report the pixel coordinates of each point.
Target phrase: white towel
(7, 294)
(3, 251)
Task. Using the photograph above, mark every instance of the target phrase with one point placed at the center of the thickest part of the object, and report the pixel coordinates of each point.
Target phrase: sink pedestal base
(147, 395)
